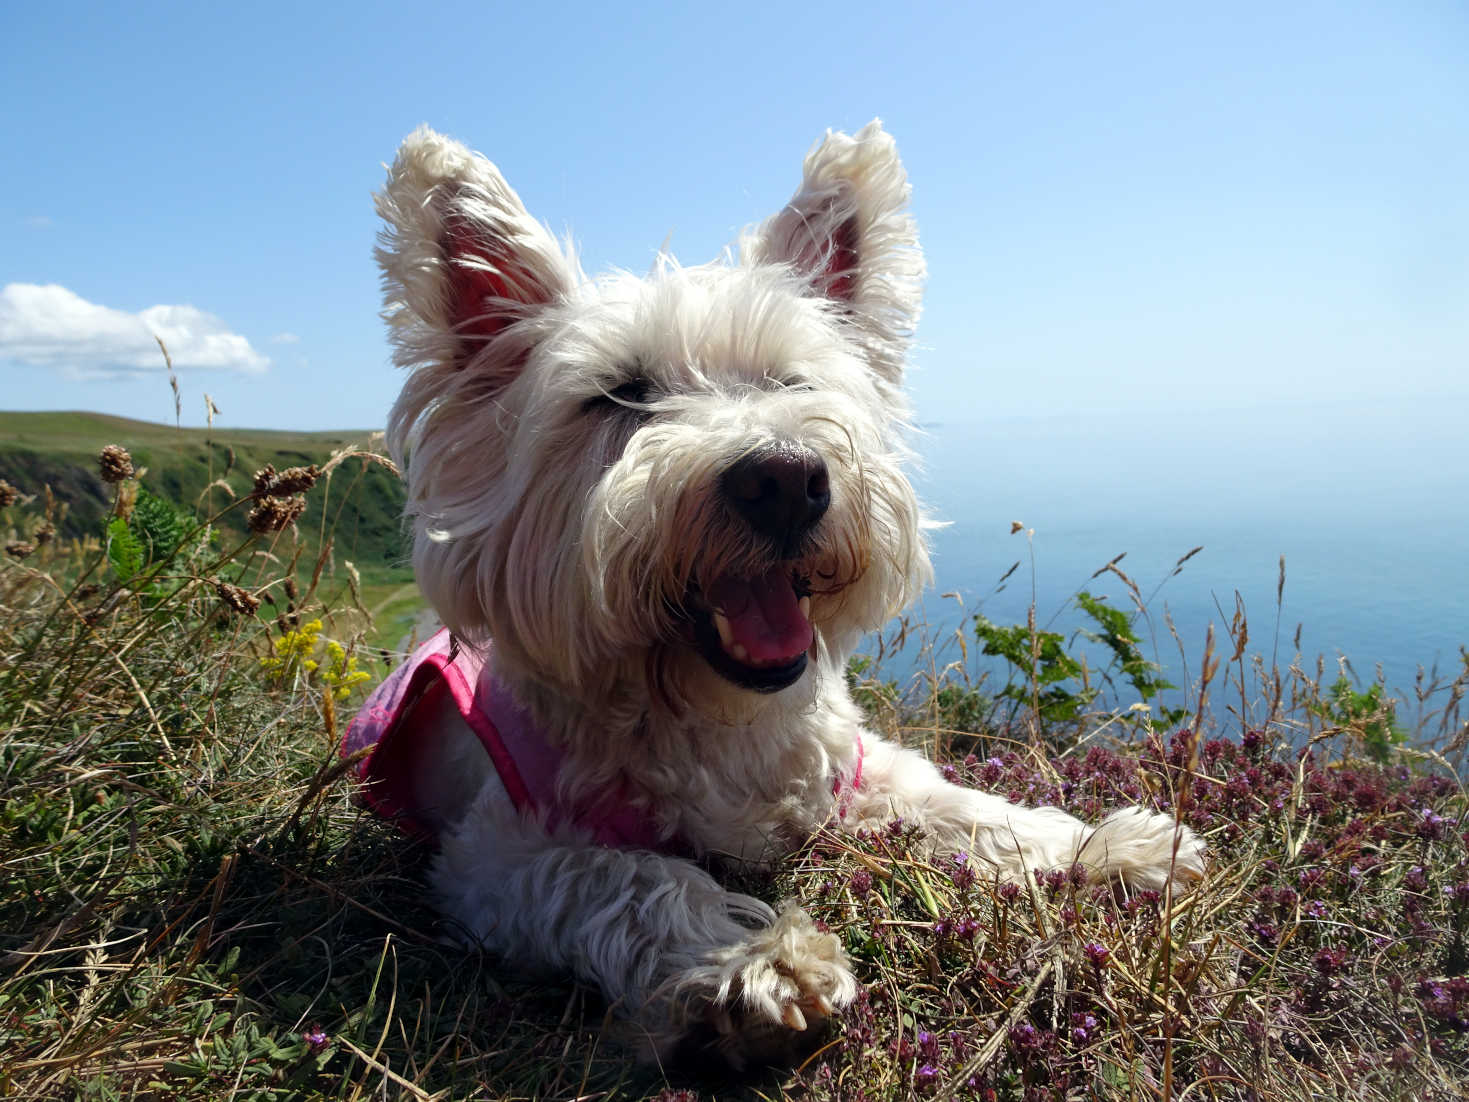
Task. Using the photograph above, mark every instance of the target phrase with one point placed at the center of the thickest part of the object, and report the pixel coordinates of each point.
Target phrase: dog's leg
(1143, 849)
(672, 951)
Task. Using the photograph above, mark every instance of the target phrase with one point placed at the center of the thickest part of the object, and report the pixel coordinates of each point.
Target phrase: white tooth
(721, 624)
(738, 652)
(804, 604)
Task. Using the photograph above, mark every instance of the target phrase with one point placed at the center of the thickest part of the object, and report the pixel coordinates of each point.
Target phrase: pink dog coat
(527, 764)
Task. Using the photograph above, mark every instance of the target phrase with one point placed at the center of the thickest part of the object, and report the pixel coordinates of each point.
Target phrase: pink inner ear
(473, 309)
(839, 275)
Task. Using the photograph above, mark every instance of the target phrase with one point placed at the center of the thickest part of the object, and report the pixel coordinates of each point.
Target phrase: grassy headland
(193, 905)
(205, 471)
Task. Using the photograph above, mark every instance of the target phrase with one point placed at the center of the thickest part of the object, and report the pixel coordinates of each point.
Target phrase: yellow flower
(297, 650)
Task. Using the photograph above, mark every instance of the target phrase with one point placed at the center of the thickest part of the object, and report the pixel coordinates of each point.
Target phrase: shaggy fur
(631, 486)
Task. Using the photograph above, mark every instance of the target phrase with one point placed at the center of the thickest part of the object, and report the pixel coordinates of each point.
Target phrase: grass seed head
(116, 464)
(263, 478)
(272, 514)
(8, 494)
(293, 480)
(240, 600)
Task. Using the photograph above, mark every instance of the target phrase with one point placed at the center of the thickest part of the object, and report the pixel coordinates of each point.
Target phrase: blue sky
(1124, 206)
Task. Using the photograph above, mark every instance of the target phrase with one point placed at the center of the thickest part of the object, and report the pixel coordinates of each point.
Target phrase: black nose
(781, 490)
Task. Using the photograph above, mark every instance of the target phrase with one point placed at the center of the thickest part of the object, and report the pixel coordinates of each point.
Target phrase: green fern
(124, 550)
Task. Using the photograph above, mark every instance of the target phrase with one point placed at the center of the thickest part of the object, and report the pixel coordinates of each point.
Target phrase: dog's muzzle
(756, 630)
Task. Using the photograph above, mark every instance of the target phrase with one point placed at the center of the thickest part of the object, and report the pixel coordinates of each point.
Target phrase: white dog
(657, 515)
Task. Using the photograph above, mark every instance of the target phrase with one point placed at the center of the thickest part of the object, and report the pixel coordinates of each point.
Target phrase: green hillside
(363, 503)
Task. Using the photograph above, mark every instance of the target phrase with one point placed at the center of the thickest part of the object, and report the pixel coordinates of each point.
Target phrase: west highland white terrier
(655, 516)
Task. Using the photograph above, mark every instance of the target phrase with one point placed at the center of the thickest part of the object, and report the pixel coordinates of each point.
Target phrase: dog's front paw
(762, 996)
(1145, 849)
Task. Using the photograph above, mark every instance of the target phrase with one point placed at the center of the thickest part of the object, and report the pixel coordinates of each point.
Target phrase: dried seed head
(292, 591)
(8, 494)
(263, 479)
(272, 514)
(116, 463)
(20, 549)
(240, 600)
(293, 480)
(44, 534)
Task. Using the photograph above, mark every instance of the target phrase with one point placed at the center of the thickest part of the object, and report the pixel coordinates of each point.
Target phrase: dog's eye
(633, 392)
(789, 383)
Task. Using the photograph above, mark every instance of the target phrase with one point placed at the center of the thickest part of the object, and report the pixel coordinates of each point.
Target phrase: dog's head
(692, 479)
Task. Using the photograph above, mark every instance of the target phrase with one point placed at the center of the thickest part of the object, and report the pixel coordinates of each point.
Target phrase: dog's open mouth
(755, 631)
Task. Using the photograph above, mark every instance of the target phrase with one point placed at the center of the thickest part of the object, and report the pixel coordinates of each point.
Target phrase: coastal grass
(206, 469)
(194, 905)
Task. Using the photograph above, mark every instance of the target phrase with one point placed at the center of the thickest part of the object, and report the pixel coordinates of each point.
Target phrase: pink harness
(391, 723)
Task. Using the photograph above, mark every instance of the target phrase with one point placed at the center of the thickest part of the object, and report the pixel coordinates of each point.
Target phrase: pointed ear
(848, 231)
(462, 259)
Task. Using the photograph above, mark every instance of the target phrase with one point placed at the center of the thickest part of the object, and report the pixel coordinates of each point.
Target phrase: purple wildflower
(1432, 827)
(963, 874)
(1330, 961)
(1025, 1036)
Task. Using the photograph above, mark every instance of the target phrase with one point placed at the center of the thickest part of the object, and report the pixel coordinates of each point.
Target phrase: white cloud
(285, 338)
(50, 326)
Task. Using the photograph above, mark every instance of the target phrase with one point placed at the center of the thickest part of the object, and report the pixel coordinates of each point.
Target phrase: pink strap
(438, 666)
(844, 790)
(483, 727)
(526, 763)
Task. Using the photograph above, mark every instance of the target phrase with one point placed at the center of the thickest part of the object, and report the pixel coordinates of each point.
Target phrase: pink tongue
(764, 616)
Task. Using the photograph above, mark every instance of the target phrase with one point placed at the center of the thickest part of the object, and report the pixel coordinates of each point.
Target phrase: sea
(1367, 503)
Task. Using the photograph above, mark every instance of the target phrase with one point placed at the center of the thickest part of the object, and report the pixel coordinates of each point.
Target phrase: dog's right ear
(462, 259)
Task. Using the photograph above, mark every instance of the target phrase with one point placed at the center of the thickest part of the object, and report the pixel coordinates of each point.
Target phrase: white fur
(571, 527)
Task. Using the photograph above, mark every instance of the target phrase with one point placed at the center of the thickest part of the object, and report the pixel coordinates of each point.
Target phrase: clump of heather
(1326, 946)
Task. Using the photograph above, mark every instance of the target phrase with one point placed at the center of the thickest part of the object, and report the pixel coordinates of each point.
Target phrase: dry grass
(193, 906)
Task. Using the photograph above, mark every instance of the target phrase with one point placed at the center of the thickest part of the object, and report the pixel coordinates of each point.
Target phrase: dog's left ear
(849, 232)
